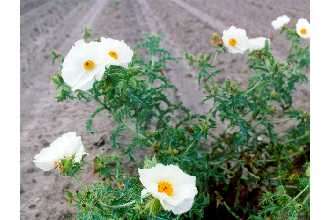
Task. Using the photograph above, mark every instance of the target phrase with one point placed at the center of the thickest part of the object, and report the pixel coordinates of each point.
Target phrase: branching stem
(231, 211)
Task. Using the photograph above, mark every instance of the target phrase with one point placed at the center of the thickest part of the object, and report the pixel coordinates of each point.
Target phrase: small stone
(32, 206)
(44, 143)
(30, 170)
(101, 141)
(47, 173)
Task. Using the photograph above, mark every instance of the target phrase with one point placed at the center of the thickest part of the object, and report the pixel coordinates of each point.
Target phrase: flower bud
(216, 40)
(273, 94)
(153, 206)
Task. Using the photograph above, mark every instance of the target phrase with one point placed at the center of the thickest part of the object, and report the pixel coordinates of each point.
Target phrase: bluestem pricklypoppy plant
(246, 157)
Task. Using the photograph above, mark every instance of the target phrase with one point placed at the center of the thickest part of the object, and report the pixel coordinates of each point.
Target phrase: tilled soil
(185, 26)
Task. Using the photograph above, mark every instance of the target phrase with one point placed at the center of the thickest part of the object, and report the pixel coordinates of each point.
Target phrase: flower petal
(280, 21)
(240, 37)
(74, 71)
(67, 145)
(184, 186)
(257, 43)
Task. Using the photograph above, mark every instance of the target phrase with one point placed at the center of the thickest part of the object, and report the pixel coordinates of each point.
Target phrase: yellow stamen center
(232, 42)
(113, 54)
(165, 187)
(59, 166)
(89, 65)
(303, 31)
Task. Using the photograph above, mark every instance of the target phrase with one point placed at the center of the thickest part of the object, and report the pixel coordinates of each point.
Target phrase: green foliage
(249, 167)
(87, 34)
(103, 201)
(149, 163)
(280, 205)
(68, 167)
(299, 53)
(56, 56)
(205, 70)
(107, 166)
(63, 91)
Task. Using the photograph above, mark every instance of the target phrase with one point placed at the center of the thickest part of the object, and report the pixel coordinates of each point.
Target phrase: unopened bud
(273, 94)
(153, 206)
(216, 40)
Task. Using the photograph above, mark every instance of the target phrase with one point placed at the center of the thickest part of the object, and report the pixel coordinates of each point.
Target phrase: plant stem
(252, 88)
(301, 192)
(123, 205)
(231, 211)
(188, 148)
(134, 131)
(305, 199)
(297, 196)
(117, 206)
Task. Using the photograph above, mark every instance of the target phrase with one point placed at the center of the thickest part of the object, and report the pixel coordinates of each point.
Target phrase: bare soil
(185, 26)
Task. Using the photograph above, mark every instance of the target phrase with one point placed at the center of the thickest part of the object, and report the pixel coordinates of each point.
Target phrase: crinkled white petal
(85, 83)
(73, 71)
(280, 21)
(79, 151)
(183, 191)
(124, 52)
(67, 145)
(257, 43)
(303, 23)
(239, 35)
(184, 186)
(180, 208)
(45, 166)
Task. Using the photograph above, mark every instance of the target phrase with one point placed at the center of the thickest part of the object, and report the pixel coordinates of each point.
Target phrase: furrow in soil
(188, 89)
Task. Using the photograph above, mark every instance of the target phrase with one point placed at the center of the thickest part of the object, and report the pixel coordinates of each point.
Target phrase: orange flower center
(113, 54)
(89, 65)
(303, 31)
(232, 42)
(165, 187)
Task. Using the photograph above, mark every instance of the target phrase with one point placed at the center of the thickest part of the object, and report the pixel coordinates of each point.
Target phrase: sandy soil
(186, 26)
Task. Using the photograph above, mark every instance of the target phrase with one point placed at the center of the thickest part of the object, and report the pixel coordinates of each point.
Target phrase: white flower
(67, 146)
(168, 183)
(235, 40)
(257, 43)
(303, 28)
(115, 52)
(280, 21)
(83, 65)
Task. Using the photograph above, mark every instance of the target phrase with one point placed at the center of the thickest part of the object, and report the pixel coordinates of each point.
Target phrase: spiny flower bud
(216, 40)
(153, 206)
